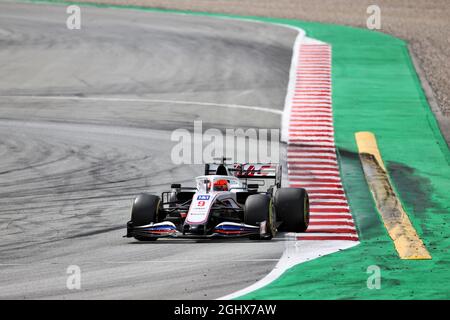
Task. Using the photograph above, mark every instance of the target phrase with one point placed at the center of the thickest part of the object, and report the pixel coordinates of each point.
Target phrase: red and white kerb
(312, 162)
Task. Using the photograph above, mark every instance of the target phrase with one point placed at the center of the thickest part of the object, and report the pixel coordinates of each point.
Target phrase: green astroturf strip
(375, 88)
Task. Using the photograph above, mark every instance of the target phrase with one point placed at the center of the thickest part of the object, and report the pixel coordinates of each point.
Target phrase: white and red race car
(226, 202)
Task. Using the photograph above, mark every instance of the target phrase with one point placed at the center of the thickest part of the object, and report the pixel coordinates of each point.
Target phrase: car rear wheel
(258, 208)
(144, 211)
(292, 208)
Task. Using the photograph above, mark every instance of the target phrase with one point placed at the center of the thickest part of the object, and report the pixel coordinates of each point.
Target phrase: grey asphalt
(83, 129)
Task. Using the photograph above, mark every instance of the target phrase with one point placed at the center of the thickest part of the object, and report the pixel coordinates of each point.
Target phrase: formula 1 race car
(226, 202)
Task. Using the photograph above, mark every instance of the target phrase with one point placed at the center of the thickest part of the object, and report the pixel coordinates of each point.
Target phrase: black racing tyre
(258, 208)
(144, 211)
(292, 208)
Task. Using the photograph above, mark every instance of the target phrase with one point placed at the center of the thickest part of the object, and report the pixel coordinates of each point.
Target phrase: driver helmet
(221, 185)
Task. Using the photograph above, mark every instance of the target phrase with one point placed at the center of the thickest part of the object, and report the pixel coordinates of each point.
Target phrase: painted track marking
(311, 151)
(145, 100)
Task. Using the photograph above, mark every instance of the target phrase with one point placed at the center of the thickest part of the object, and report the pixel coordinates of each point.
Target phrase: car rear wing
(248, 170)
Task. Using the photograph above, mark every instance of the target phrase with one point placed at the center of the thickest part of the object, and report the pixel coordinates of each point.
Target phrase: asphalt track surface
(83, 129)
